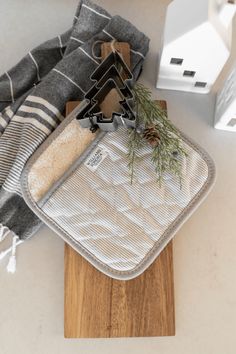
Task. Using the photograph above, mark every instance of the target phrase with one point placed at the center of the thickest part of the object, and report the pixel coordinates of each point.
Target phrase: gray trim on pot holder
(158, 246)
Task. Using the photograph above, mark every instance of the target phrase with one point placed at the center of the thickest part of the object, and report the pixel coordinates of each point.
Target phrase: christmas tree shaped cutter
(111, 74)
(113, 59)
(95, 117)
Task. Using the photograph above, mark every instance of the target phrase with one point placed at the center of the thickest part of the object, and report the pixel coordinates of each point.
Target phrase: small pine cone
(151, 135)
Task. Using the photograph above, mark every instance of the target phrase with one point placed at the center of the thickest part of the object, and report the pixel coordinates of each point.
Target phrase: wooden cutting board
(96, 306)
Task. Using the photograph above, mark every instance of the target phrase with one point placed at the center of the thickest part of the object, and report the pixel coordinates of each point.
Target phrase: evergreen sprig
(168, 153)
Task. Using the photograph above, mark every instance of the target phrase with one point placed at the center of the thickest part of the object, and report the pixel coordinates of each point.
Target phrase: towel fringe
(11, 267)
(4, 231)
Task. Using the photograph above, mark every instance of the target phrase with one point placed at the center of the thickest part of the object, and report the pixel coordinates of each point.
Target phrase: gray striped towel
(33, 95)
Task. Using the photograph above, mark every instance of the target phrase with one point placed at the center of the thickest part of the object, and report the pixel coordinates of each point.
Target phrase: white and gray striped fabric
(33, 95)
(120, 228)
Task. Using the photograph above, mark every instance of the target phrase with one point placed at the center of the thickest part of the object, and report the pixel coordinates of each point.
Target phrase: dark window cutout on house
(232, 122)
(176, 61)
(189, 73)
(200, 84)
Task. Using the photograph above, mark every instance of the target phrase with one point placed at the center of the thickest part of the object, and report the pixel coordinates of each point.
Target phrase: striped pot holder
(78, 183)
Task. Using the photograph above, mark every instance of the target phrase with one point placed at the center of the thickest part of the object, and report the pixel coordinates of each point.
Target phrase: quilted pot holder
(78, 183)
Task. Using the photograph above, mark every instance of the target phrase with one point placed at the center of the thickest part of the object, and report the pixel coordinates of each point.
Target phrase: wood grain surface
(96, 306)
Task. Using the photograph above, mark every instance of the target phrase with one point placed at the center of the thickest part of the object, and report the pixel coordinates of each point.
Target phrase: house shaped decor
(225, 112)
(197, 44)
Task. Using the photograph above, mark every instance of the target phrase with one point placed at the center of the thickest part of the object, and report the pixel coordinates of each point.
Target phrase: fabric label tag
(96, 158)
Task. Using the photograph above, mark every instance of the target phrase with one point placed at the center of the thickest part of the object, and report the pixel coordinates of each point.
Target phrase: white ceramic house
(225, 113)
(197, 44)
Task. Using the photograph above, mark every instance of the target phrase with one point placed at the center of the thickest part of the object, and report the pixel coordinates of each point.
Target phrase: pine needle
(168, 154)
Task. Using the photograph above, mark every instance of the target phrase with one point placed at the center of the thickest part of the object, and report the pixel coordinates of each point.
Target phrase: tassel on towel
(4, 231)
(11, 267)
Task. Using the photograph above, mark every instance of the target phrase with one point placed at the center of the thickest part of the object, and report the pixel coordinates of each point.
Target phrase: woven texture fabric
(117, 223)
(33, 95)
(57, 158)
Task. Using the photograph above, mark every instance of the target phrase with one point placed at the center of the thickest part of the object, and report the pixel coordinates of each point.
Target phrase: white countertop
(31, 300)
